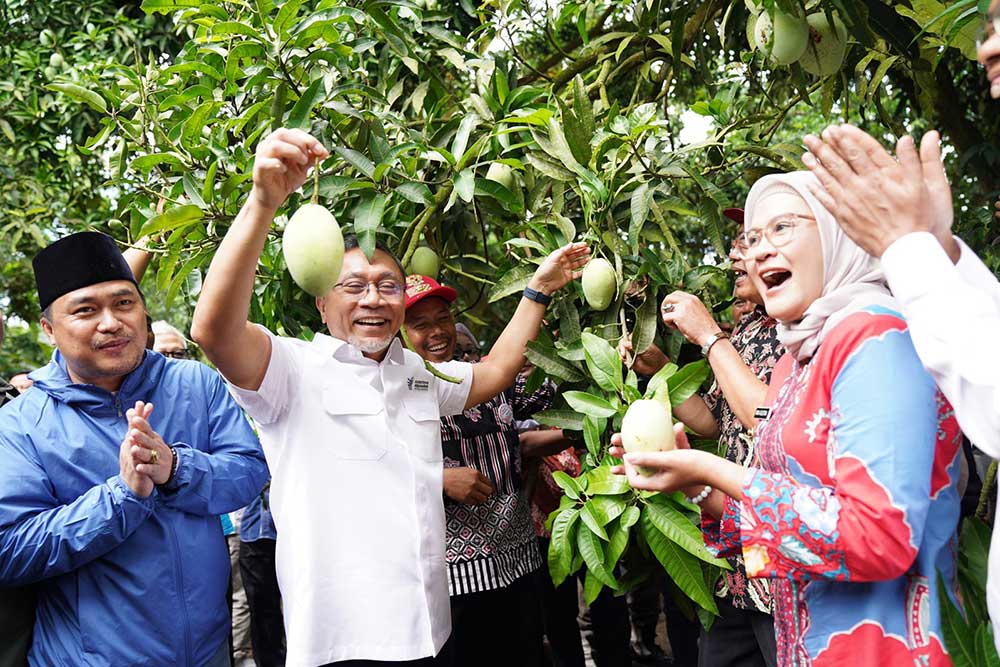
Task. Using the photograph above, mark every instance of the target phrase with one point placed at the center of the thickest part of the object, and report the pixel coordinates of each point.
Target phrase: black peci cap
(75, 261)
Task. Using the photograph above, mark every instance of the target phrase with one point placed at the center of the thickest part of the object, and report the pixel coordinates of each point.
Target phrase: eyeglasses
(390, 289)
(989, 27)
(778, 232)
(176, 354)
(467, 352)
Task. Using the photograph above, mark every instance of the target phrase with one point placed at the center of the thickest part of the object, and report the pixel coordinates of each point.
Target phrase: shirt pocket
(425, 415)
(359, 433)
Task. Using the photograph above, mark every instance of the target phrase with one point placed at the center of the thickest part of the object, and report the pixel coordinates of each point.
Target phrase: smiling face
(789, 277)
(368, 321)
(743, 287)
(989, 52)
(431, 328)
(100, 331)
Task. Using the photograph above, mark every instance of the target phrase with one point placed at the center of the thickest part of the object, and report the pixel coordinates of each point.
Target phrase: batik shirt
(756, 339)
(490, 545)
(853, 509)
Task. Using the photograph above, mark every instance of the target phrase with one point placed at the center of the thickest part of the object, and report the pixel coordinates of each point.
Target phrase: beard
(370, 346)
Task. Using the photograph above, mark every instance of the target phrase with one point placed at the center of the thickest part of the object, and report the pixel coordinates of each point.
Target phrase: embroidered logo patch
(417, 385)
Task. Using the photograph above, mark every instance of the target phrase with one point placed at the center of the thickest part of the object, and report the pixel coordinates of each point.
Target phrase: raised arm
(138, 258)
(743, 390)
(507, 356)
(240, 350)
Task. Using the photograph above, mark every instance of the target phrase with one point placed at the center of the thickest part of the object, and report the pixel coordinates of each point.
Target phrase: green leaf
(147, 162)
(606, 508)
(590, 548)
(545, 357)
(592, 429)
(298, 117)
(558, 147)
(658, 383)
(685, 382)
(418, 193)
(603, 362)
(285, 16)
(959, 638)
(465, 184)
(500, 193)
(583, 109)
(602, 482)
(682, 567)
(167, 6)
(469, 123)
(548, 168)
(618, 541)
(561, 545)
(588, 404)
(593, 521)
(564, 419)
(679, 528)
(80, 94)
(567, 484)
(356, 160)
(172, 219)
(367, 218)
(569, 320)
(639, 211)
(191, 135)
(592, 587)
(512, 282)
(645, 323)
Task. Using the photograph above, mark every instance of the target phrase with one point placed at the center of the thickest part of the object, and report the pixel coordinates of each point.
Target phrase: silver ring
(667, 308)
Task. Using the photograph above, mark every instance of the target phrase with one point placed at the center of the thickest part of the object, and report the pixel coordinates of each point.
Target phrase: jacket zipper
(180, 587)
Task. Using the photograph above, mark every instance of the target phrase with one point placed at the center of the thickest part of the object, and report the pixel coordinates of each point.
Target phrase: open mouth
(773, 278)
(438, 348)
(371, 323)
(739, 276)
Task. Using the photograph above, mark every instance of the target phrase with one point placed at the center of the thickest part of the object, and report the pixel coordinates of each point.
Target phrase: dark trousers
(267, 627)
(608, 630)
(498, 628)
(738, 638)
(17, 620)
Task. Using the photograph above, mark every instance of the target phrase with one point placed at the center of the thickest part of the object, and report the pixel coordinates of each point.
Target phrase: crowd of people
(356, 501)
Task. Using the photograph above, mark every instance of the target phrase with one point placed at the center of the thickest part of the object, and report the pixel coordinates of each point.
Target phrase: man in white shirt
(350, 427)
(901, 211)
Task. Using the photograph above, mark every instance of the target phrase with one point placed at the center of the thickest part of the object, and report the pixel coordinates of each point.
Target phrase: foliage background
(491, 132)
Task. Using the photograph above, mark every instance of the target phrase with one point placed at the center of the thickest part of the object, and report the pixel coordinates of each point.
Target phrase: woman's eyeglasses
(778, 232)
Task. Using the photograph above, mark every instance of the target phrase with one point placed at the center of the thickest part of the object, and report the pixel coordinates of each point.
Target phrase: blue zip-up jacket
(123, 580)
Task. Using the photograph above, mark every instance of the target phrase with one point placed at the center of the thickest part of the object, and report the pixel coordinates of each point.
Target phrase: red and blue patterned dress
(853, 507)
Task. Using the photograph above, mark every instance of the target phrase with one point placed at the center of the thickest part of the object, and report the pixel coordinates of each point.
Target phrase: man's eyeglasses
(390, 289)
(176, 354)
(989, 27)
(465, 353)
(778, 232)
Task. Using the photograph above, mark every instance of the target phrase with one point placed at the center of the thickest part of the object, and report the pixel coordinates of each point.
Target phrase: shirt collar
(341, 350)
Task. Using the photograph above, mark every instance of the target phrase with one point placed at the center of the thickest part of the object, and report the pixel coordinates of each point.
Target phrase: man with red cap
(491, 550)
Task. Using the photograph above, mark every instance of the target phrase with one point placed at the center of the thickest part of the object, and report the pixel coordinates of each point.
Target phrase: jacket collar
(54, 380)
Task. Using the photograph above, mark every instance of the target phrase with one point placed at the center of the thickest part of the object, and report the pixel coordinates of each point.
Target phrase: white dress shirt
(953, 315)
(355, 455)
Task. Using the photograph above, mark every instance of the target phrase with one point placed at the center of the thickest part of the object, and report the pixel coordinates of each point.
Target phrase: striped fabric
(492, 572)
(490, 545)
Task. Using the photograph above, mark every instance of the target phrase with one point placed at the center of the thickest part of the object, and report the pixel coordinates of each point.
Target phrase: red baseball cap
(420, 287)
(734, 214)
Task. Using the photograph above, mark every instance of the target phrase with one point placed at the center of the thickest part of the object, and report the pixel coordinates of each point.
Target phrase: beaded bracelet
(700, 498)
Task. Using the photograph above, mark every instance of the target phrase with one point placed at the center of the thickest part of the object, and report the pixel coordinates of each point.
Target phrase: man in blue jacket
(113, 472)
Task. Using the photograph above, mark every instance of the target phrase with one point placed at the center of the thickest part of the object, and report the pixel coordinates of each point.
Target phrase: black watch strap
(537, 297)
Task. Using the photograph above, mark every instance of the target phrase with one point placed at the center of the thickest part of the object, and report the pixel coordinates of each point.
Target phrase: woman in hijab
(852, 504)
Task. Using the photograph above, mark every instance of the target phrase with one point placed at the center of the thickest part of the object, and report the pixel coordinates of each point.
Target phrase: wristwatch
(712, 340)
(537, 297)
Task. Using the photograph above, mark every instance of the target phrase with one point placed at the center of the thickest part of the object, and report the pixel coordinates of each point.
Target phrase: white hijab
(852, 279)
